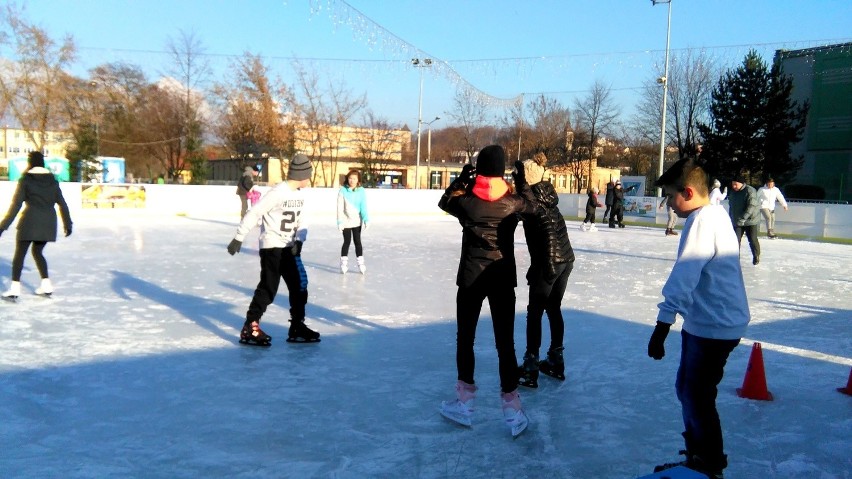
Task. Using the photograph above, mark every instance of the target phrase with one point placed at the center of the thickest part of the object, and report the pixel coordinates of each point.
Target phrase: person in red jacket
(487, 209)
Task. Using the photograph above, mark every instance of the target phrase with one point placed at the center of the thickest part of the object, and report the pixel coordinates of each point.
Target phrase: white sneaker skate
(460, 410)
(513, 414)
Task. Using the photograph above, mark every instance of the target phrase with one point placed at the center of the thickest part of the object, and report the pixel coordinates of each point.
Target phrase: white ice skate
(584, 227)
(361, 266)
(45, 288)
(593, 227)
(13, 292)
(513, 413)
(460, 410)
(344, 264)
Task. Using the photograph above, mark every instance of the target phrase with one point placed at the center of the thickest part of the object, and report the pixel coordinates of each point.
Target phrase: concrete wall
(810, 219)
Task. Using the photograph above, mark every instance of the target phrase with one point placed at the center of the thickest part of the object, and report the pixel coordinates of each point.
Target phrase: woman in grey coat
(37, 225)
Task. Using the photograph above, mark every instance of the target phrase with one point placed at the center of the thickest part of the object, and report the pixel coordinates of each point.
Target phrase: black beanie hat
(36, 159)
(491, 161)
(300, 168)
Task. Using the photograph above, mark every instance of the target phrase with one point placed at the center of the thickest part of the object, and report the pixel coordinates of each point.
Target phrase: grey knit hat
(300, 168)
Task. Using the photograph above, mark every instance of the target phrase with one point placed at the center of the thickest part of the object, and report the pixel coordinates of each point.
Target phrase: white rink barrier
(220, 201)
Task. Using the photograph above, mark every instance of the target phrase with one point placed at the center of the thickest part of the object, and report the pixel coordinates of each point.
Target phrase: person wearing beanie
(38, 223)
(717, 196)
(282, 233)
(352, 217)
(744, 210)
(487, 208)
(551, 263)
(610, 195)
(591, 205)
(768, 194)
(245, 185)
(617, 216)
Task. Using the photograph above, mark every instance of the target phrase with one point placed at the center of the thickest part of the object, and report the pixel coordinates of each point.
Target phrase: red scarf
(490, 188)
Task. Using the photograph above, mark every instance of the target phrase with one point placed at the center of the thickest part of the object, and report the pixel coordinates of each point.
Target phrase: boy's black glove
(518, 173)
(656, 346)
(234, 247)
(68, 231)
(297, 248)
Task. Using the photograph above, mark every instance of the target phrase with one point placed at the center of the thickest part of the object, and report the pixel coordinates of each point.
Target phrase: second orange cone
(754, 383)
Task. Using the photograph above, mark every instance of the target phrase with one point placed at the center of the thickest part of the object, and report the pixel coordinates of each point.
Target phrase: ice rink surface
(133, 368)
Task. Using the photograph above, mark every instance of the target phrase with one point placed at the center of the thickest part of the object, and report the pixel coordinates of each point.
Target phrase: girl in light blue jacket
(351, 217)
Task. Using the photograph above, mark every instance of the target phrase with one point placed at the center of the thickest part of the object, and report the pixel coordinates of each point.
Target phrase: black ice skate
(254, 336)
(697, 464)
(553, 365)
(529, 371)
(299, 333)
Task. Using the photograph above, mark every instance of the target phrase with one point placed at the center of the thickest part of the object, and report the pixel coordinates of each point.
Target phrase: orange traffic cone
(754, 384)
(848, 389)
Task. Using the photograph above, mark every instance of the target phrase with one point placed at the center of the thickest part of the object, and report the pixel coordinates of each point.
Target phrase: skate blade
(303, 340)
(560, 377)
(457, 418)
(528, 384)
(10, 299)
(45, 295)
(518, 424)
(255, 343)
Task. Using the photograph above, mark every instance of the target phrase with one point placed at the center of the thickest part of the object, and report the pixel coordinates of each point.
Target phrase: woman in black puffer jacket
(551, 263)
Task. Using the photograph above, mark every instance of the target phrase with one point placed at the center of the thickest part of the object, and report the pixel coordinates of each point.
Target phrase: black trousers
(546, 296)
(606, 213)
(355, 235)
(38, 256)
(590, 217)
(751, 234)
(275, 264)
(617, 214)
(501, 300)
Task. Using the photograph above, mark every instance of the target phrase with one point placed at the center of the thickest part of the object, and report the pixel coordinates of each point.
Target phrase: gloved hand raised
(466, 173)
(518, 173)
(656, 346)
(234, 247)
(297, 248)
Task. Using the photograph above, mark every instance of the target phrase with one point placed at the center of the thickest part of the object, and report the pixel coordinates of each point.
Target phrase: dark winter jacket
(618, 195)
(610, 193)
(744, 206)
(545, 231)
(488, 213)
(40, 191)
(245, 183)
(592, 203)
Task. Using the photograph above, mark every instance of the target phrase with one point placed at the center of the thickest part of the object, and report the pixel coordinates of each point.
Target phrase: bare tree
(597, 114)
(470, 114)
(376, 145)
(692, 76)
(550, 125)
(34, 86)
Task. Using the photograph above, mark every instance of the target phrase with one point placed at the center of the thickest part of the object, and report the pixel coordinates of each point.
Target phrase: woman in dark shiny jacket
(551, 263)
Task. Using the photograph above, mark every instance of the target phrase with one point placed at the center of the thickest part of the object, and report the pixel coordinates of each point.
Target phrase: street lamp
(664, 80)
(426, 62)
(429, 150)
(94, 86)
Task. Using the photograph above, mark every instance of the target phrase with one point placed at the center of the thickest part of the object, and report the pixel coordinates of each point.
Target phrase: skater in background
(282, 234)
(38, 224)
(551, 263)
(768, 194)
(744, 207)
(591, 204)
(610, 195)
(352, 218)
(717, 196)
(672, 216)
(487, 209)
(617, 215)
(706, 289)
(244, 185)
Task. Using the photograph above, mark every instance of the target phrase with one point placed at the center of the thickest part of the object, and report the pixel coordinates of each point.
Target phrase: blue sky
(503, 48)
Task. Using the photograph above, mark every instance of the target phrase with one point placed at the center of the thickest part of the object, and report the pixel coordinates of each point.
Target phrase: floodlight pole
(664, 80)
(426, 62)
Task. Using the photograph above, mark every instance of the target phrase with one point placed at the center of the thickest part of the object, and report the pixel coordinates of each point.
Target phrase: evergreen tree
(753, 122)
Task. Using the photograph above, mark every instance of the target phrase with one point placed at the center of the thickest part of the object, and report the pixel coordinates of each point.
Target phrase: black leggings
(355, 235)
(38, 255)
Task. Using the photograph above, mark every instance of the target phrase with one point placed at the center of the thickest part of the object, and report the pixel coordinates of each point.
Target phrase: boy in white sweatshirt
(706, 289)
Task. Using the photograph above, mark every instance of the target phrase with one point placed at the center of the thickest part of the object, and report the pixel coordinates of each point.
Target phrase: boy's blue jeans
(702, 365)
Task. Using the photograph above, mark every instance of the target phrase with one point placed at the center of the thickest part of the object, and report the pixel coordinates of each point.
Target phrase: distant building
(15, 143)
(823, 77)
